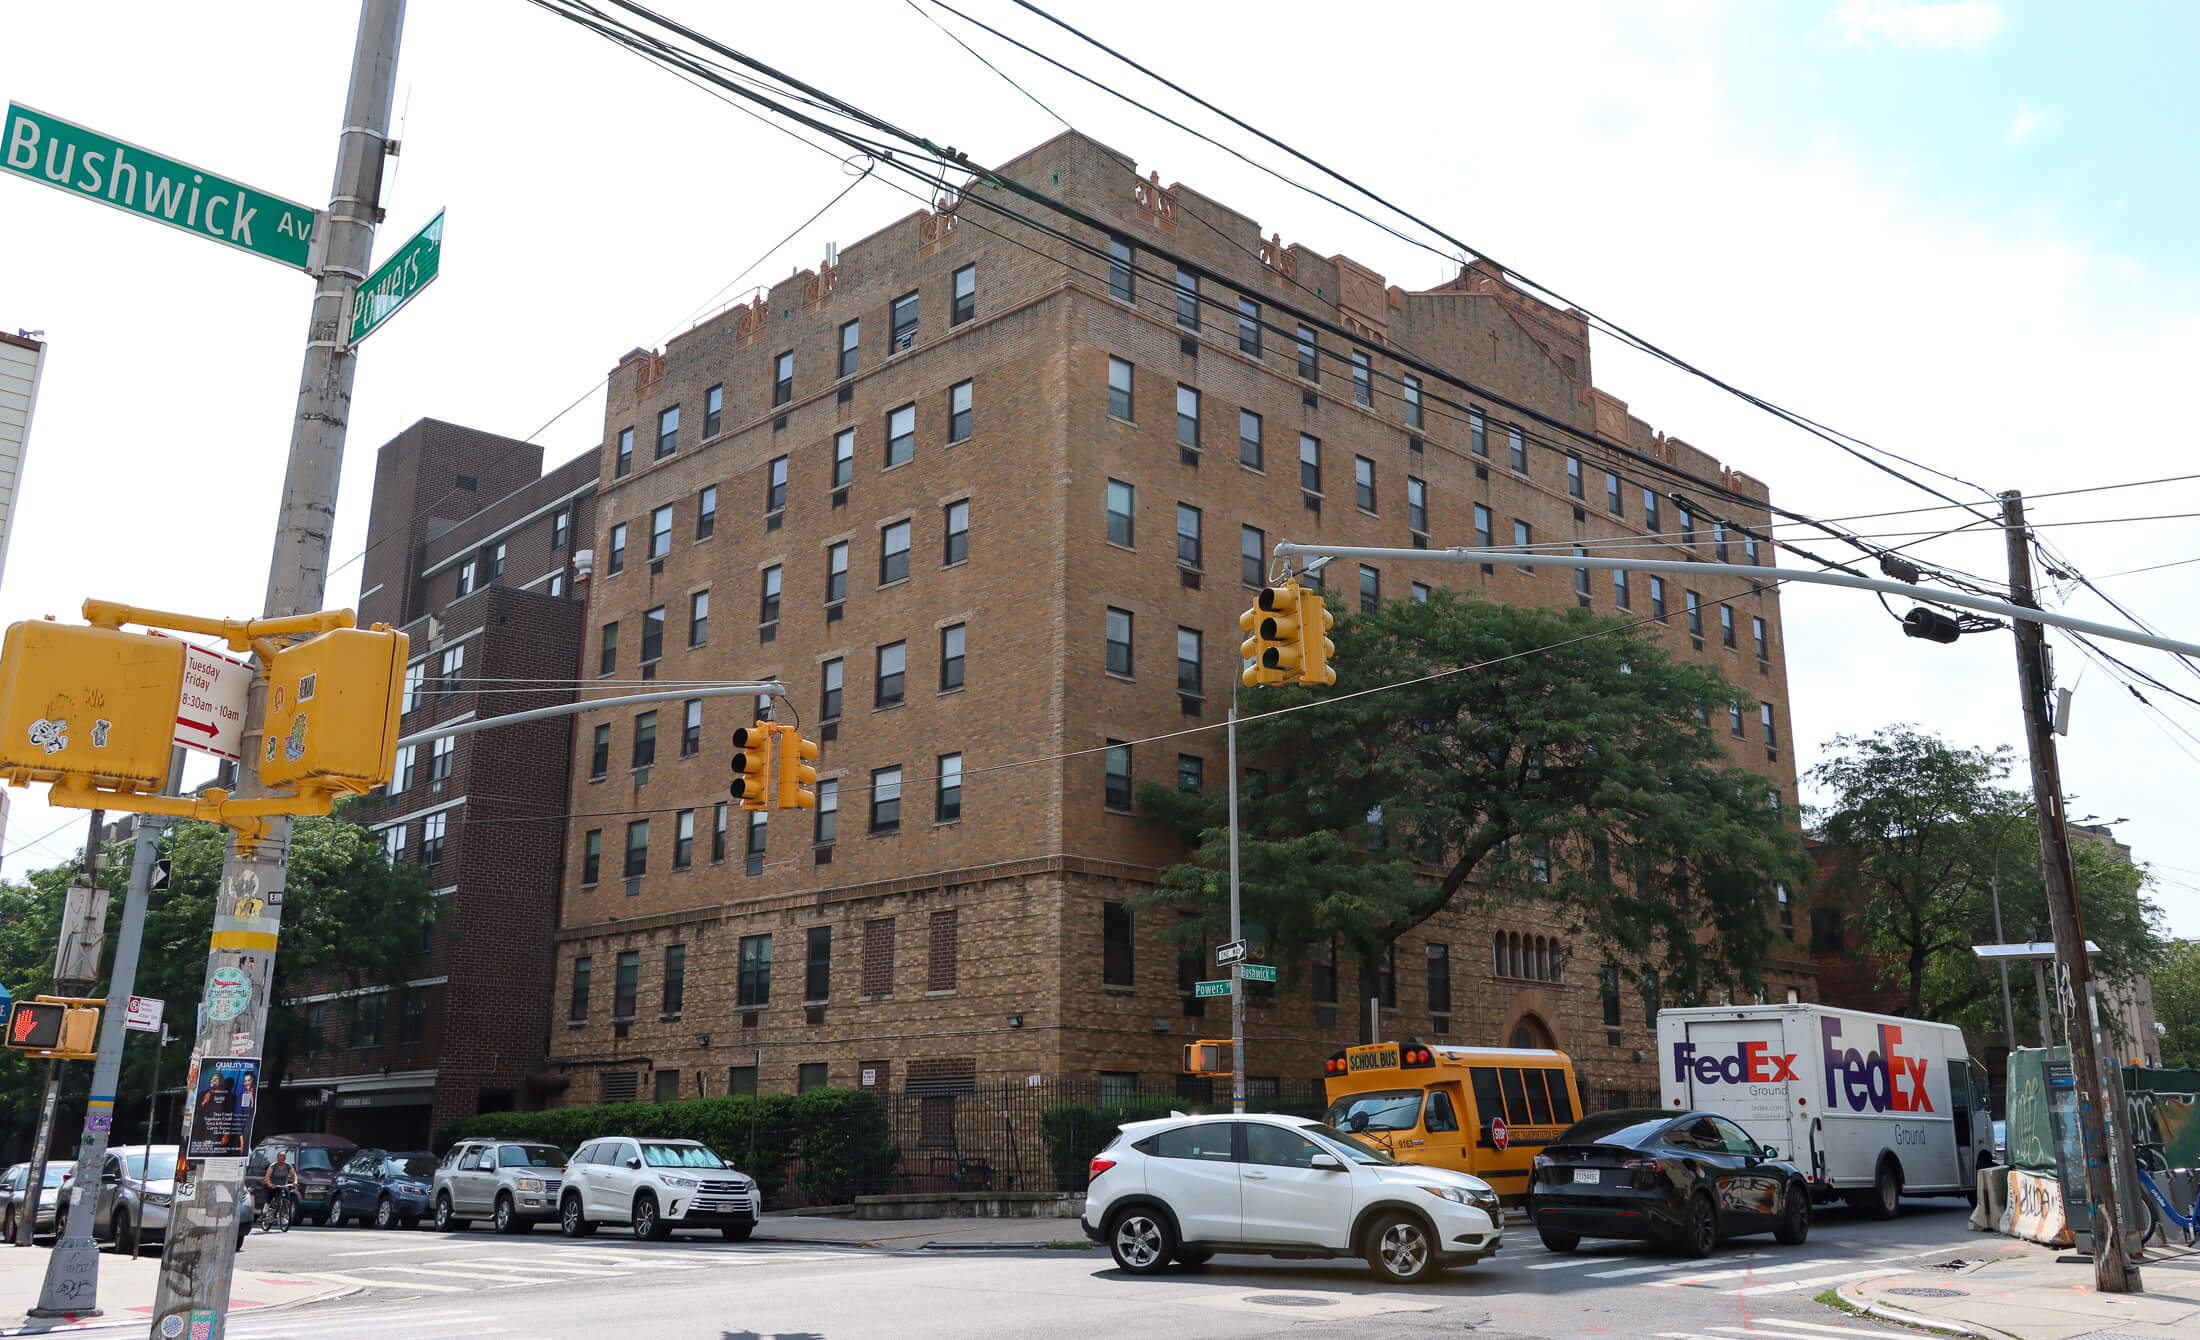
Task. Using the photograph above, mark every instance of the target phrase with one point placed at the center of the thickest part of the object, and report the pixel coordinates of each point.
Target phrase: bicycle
(2157, 1200)
(279, 1210)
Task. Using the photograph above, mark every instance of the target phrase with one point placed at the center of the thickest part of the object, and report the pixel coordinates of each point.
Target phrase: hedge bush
(1076, 1131)
(838, 1139)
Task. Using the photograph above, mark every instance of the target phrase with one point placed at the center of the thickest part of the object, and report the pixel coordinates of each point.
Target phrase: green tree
(350, 918)
(1518, 755)
(2177, 1001)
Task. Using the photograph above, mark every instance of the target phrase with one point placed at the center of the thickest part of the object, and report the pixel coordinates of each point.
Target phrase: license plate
(1587, 1176)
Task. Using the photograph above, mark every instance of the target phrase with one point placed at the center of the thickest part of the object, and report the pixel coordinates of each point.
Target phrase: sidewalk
(923, 1234)
(2012, 1288)
(126, 1290)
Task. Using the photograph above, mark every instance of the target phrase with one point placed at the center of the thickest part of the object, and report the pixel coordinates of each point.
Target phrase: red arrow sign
(206, 726)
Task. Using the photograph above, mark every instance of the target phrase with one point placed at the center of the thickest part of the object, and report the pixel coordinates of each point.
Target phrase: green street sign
(1257, 972)
(119, 174)
(1221, 988)
(398, 280)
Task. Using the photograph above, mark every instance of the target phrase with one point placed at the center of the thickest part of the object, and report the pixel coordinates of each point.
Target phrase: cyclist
(281, 1181)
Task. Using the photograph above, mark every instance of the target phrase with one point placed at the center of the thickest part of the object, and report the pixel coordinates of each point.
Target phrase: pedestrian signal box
(332, 711)
(51, 1026)
(1208, 1056)
(93, 705)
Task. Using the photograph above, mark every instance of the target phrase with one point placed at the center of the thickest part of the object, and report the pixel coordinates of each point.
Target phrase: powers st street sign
(116, 173)
(398, 280)
(1221, 988)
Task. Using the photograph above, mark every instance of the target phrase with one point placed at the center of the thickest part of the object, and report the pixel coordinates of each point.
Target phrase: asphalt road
(476, 1284)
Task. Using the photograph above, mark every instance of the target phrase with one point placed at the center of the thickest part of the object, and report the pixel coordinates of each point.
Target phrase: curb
(1053, 1245)
(1888, 1312)
(140, 1323)
(810, 1242)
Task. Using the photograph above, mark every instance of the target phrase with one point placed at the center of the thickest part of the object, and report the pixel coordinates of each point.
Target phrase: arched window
(1499, 967)
(1519, 968)
(1542, 959)
(1558, 961)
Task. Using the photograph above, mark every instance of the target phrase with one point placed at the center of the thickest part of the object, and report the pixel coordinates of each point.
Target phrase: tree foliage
(1523, 755)
(2177, 1002)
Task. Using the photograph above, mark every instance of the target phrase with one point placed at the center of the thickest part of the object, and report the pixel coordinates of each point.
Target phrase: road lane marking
(351, 1320)
(342, 1278)
(1745, 1270)
(484, 1276)
(399, 1251)
(1668, 1267)
(1789, 1286)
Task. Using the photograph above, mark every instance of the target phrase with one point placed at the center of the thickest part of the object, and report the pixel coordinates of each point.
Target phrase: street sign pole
(71, 1287)
(1237, 930)
(202, 1237)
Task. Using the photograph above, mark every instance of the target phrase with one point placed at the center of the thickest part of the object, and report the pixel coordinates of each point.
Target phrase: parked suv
(658, 1187)
(390, 1187)
(136, 1184)
(314, 1158)
(1185, 1188)
(49, 1196)
(514, 1182)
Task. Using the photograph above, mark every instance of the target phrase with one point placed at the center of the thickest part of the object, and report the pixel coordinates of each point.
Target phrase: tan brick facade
(1026, 866)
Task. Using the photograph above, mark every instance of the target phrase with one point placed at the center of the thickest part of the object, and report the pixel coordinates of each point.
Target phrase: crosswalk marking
(1668, 1267)
(1818, 1282)
(484, 1276)
(342, 1278)
(352, 1321)
(399, 1251)
(1745, 1270)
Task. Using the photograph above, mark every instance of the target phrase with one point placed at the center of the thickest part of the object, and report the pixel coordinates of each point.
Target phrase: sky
(1958, 231)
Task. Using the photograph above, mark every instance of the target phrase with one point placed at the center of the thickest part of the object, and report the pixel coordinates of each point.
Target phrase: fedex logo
(1750, 1063)
(1882, 1079)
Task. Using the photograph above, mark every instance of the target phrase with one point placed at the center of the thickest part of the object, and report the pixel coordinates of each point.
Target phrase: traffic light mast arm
(1810, 576)
(239, 633)
(753, 686)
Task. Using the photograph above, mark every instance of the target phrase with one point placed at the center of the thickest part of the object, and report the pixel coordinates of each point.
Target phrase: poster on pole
(225, 1092)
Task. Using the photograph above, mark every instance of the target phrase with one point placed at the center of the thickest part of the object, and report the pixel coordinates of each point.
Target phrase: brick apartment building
(991, 507)
(473, 553)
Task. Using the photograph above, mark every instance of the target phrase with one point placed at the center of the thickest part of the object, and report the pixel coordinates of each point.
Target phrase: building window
(1363, 483)
(599, 762)
(886, 800)
(1411, 389)
(836, 572)
(901, 436)
(1310, 463)
(1323, 967)
(1770, 731)
(1749, 547)
(1650, 511)
(1478, 433)
(948, 805)
(1116, 945)
(393, 843)
(1187, 416)
(718, 832)
(844, 458)
(1614, 501)
(1188, 679)
(1688, 525)
(1119, 390)
(1622, 598)
(1420, 593)
(1757, 635)
(1581, 576)
(951, 657)
(416, 678)
(1122, 506)
(1249, 453)
(401, 776)
(1482, 537)
(1439, 979)
(1187, 535)
(1734, 725)
(1371, 588)
(706, 512)
(1657, 599)
(653, 634)
(1416, 505)
(637, 848)
(367, 1013)
(683, 839)
(1252, 556)
(1694, 605)
(660, 532)
(851, 338)
(753, 989)
(1119, 269)
(1248, 327)
(1726, 625)
(754, 846)
(957, 547)
(1826, 932)
(893, 664)
(623, 464)
(1787, 911)
(577, 1010)
(412, 1018)
(893, 553)
(432, 830)
(1187, 299)
(1573, 476)
(958, 413)
(451, 669)
(1524, 541)
(1117, 795)
(615, 562)
(645, 739)
(1519, 444)
(698, 618)
(903, 332)
(1608, 989)
(668, 431)
(1119, 641)
(1191, 772)
(783, 378)
(691, 728)
(775, 485)
(828, 811)
(741, 1081)
(493, 563)
(440, 755)
(714, 406)
(828, 706)
(1309, 355)
(768, 602)
(1363, 380)
(466, 578)
(965, 303)
(817, 965)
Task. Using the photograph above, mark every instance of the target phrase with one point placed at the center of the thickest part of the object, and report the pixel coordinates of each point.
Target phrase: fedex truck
(1869, 1106)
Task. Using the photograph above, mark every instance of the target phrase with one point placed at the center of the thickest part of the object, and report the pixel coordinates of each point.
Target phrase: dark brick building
(992, 508)
(474, 553)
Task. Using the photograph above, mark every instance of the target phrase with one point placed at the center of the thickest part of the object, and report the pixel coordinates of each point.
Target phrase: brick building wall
(1027, 853)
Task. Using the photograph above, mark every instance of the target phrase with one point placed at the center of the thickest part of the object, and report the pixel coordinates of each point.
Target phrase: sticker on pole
(228, 991)
(1500, 1136)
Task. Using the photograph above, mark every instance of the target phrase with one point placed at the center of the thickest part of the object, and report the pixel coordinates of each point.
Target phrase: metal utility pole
(26, 1232)
(2112, 1273)
(202, 1234)
(1237, 969)
(71, 1287)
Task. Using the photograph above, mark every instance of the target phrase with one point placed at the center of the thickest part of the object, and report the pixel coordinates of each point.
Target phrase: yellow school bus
(1480, 1110)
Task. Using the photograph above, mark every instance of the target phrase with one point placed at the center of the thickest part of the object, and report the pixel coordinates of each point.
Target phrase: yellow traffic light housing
(1208, 1056)
(93, 705)
(1273, 648)
(752, 765)
(54, 1028)
(332, 711)
(796, 776)
(79, 1032)
(1315, 648)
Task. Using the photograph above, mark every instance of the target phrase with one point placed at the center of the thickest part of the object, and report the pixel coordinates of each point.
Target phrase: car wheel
(7, 1229)
(1794, 1217)
(570, 1220)
(1699, 1235)
(1401, 1249)
(649, 1225)
(738, 1232)
(385, 1213)
(125, 1235)
(446, 1220)
(1557, 1241)
(1141, 1241)
(1194, 1258)
(507, 1215)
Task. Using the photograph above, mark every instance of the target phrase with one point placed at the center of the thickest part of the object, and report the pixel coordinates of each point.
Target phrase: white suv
(1185, 1188)
(658, 1187)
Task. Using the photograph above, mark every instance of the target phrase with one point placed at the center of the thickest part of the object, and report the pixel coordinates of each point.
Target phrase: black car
(1687, 1179)
(389, 1187)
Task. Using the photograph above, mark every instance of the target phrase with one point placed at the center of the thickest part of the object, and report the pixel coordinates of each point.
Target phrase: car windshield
(530, 1156)
(1353, 1148)
(58, 1173)
(313, 1160)
(164, 1165)
(680, 1156)
(419, 1166)
(1383, 1110)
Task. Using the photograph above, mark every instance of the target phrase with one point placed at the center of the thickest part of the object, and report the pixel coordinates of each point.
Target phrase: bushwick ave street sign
(397, 280)
(116, 173)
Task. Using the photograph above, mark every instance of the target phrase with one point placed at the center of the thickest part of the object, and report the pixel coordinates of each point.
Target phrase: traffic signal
(1208, 1056)
(79, 1031)
(1273, 647)
(53, 1026)
(752, 765)
(796, 775)
(1315, 648)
